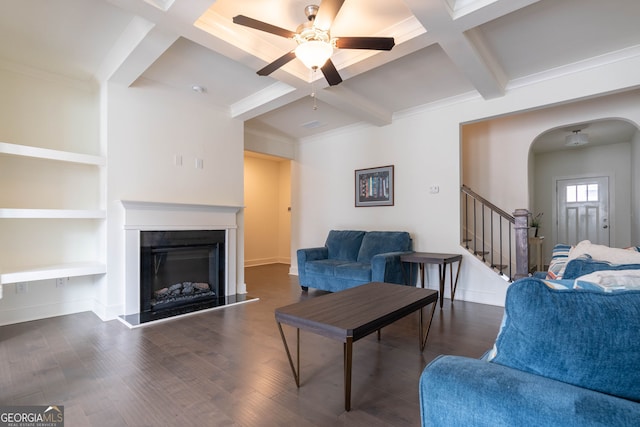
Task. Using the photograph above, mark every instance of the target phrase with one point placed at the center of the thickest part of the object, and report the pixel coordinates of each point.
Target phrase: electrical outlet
(21, 288)
(61, 281)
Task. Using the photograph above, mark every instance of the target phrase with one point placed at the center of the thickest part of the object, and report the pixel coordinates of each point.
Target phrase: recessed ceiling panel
(355, 18)
(67, 37)
(552, 33)
(419, 78)
(299, 119)
(186, 64)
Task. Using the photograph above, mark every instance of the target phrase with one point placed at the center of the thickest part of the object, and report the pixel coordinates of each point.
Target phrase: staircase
(497, 238)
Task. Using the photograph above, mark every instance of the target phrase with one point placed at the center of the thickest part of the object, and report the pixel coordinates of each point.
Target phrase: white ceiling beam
(480, 12)
(466, 49)
(355, 105)
(139, 46)
(151, 32)
(270, 98)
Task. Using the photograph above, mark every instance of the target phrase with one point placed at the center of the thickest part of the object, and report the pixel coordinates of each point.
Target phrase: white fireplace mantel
(143, 215)
(158, 216)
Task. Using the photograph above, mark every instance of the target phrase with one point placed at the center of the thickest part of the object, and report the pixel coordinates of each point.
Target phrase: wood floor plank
(228, 367)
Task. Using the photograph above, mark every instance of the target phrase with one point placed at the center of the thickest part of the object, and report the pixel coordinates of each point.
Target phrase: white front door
(583, 210)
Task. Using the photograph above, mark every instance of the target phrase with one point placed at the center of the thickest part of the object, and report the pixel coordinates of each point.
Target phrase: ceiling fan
(315, 43)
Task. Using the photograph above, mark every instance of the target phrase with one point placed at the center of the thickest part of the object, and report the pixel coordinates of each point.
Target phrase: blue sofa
(563, 357)
(350, 258)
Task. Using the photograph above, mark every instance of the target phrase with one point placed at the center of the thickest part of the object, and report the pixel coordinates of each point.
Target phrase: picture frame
(374, 186)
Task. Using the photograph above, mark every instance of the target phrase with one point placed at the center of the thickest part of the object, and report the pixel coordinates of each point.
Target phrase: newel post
(522, 242)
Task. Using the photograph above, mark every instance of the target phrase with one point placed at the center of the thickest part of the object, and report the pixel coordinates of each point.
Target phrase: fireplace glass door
(180, 268)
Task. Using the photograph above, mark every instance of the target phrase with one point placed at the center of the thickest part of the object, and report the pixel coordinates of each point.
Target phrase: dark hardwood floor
(228, 366)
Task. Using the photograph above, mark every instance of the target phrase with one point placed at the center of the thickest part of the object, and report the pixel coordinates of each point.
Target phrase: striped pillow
(559, 259)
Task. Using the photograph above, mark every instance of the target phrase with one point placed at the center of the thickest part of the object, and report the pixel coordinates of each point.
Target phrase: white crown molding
(576, 67)
(437, 105)
(85, 85)
(335, 132)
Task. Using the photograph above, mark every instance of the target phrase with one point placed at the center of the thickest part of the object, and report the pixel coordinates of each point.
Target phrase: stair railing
(499, 239)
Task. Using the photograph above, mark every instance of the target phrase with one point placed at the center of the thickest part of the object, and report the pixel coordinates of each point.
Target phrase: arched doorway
(586, 190)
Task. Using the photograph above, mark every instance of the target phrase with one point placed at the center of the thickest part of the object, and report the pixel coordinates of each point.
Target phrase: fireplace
(194, 249)
(181, 269)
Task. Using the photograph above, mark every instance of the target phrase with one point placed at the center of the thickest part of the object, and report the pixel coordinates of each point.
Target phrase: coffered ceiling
(445, 50)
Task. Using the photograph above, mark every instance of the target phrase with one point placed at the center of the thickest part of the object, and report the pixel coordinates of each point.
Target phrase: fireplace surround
(142, 219)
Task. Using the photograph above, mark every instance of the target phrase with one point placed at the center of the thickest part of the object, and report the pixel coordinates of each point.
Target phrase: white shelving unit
(52, 213)
(45, 153)
(52, 271)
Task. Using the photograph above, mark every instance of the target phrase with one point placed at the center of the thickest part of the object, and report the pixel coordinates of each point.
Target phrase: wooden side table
(536, 243)
(422, 258)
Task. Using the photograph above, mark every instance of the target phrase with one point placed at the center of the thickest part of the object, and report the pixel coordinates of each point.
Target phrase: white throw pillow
(609, 280)
(605, 253)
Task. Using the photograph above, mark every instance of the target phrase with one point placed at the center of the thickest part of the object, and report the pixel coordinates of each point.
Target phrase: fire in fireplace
(181, 269)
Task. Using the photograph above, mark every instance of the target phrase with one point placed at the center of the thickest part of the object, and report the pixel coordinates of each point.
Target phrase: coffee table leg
(442, 272)
(348, 348)
(423, 337)
(296, 372)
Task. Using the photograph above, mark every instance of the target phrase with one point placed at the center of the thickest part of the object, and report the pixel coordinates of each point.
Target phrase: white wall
(146, 127)
(635, 190)
(267, 224)
(425, 148)
(269, 143)
(284, 212)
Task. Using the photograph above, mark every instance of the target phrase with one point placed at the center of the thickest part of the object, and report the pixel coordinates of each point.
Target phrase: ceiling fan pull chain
(313, 88)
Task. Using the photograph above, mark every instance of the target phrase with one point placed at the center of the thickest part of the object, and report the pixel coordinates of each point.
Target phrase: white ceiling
(599, 132)
(445, 49)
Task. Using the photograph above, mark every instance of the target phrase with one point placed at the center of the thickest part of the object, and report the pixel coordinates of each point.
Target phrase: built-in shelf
(46, 153)
(45, 272)
(52, 213)
(53, 272)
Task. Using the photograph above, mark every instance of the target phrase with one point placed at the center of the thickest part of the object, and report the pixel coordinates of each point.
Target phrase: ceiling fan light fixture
(314, 53)
(576, 138)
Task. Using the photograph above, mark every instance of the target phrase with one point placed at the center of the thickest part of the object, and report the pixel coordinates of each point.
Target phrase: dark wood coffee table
(352, 314)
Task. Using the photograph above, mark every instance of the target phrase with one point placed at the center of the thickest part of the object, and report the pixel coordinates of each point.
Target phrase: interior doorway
(267, 213)
(583, 210)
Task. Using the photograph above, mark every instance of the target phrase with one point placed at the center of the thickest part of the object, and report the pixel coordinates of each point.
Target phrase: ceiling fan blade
(277, 64)
(262, 26)
(331, 73)
(327, 13)
(374, 43)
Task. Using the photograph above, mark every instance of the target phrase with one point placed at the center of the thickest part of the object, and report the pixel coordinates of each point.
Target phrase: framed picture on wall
(374, 186)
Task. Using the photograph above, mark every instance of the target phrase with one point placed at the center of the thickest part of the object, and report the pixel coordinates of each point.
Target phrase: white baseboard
(106, 313)
(44, 311)
(266, 261)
